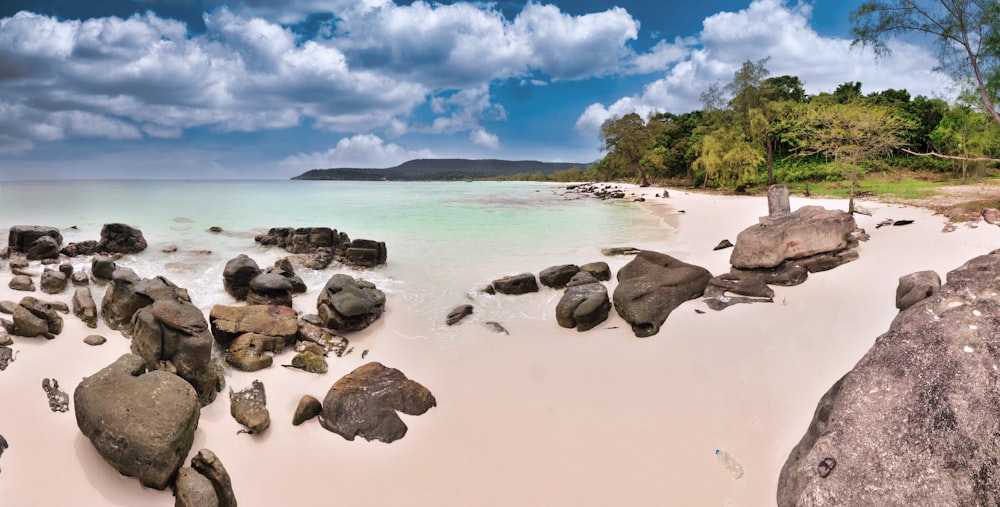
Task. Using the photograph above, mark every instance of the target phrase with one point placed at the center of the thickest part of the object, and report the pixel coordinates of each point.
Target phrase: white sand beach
(544, 416)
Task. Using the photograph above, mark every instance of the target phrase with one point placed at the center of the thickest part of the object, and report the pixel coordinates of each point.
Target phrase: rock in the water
(307, 408)
(585, 303)
(808, 231)
(364, 402)
(346, 304)
(191, 489)
(120, 238)
(249, 408)
(141, 435)
(270, 289)
(558, 276)
(516, 284)
(237, 274)
(95, 339)
(916, 287)
(600, 270)
(53, 282)
(458, 313)
(496, 327)
(21, 238)
(84, 306)
(102, 268)
(80, 279)
(209, 465)
(278, 321)
(914, 422)
(652, 285)
(21, 283)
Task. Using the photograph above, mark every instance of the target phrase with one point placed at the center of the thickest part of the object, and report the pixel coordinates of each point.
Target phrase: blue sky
(208, 89)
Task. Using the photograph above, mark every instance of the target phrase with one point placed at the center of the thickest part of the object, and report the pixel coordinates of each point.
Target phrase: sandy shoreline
(545, 416)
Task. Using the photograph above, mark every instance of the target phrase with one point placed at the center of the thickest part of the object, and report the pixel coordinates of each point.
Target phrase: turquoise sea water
(444, 239)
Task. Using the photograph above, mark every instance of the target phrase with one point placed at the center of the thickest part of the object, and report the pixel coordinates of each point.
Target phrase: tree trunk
(854, 183)
(769, 144)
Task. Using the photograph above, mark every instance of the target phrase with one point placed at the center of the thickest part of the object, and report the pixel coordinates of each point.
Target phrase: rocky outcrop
(249, 408)
(914, 422)
(516, 284)
(141, 435)
(326, 242)
(652, 285)
(806, 232)
(347, 304)
(120, 238)
(364, 402)
(585, 303)
(916, 287)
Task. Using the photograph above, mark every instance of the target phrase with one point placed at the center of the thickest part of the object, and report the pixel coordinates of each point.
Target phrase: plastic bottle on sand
(728, 461)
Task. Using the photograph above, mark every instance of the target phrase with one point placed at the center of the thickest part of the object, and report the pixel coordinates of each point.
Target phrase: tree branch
(950, 157)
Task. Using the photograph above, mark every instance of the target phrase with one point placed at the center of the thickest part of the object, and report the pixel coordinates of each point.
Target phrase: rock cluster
(244, 280)
(116, 239)
(326, 244)
(914, 422)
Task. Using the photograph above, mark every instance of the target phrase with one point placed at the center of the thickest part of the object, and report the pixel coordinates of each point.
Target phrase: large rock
(33, 317)
(346, 304)
(229, 322)
(808, 231)
(915, 421)
(120, 238)
(652, 285)
(45, 247)
(516, 284)
(21, 237)
(585, 303)
(558, 276)
(364, 402)
(53, 281)
(270, 289)
(84, 306)
(142, 424)
(128, 293)
(237, 274)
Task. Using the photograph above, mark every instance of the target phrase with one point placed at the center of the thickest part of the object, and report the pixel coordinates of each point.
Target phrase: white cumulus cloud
(363, 150)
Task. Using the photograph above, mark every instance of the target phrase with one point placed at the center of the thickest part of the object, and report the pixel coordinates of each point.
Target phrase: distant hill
(440, 169)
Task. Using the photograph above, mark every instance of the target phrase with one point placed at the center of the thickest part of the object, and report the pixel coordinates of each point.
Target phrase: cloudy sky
(272, 88)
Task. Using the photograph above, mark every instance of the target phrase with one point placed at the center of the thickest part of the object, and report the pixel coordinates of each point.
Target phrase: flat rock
(808, 231)
(516, 284)
(365, 401)
(228, 322)
(95, 339)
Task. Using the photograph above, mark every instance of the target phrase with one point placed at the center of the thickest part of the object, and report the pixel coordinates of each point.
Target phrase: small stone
(307, 408)
(308, 361)
(6, 356)
(95, 339)
(496, 327)
(5, 338)
(249, 408)
(58, 399)
(22, 283)
(724, 244)
(459, 313)
(826, 466)
(7, 307)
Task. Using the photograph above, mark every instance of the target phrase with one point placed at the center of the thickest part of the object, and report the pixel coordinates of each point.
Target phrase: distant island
(442, 169)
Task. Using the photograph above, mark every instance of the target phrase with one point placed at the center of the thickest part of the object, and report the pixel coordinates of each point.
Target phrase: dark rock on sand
(5, 338)
(102, 268)
(36, 318)
(458, 313)
(346, 304)
(3, 444)
(22, 283)
(620, 250)
(121, 238)
(323, 337)
(80, 279)
(652, 285)
(45, 247)
(724, 244)
(307, 408)
(249, 408)
(270, 289)
(558, 276)
(736, 287)
(229, 322)
(914, 422)
(95, 339)
(496, 327)
(140, 435)
(916, 287)
(585, 303)
(237, 274)
(7, 307)
(365, 253)
(84, 306)
(516, 284)
(53, 282)
(210, 466)
(600, 270)
(364, 402)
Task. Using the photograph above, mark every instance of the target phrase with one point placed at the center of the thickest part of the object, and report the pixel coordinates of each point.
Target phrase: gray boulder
(21, 237)
(229, 322)
(237, 274)
(737, 287)
(599, 269)
(585, 303)
(916, 287)
(21, 283)
(915, 421)
(142, 436)
(102, 268)
(346, 304)
(270, 288)
(84, 306)
(364, 402)
(516, 284)
(558, 276)
(45, 247)
(652, 285)
(808, 231)
(36, 318)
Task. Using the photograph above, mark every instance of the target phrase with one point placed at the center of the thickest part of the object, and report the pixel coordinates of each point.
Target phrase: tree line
(760, 129)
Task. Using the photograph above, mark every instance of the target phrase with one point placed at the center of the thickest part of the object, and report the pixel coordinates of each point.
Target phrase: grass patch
(903, 185)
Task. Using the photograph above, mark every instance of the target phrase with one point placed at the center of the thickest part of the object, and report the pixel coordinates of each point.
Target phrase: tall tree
(965, 30)
(627, 141)
(852, 134)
